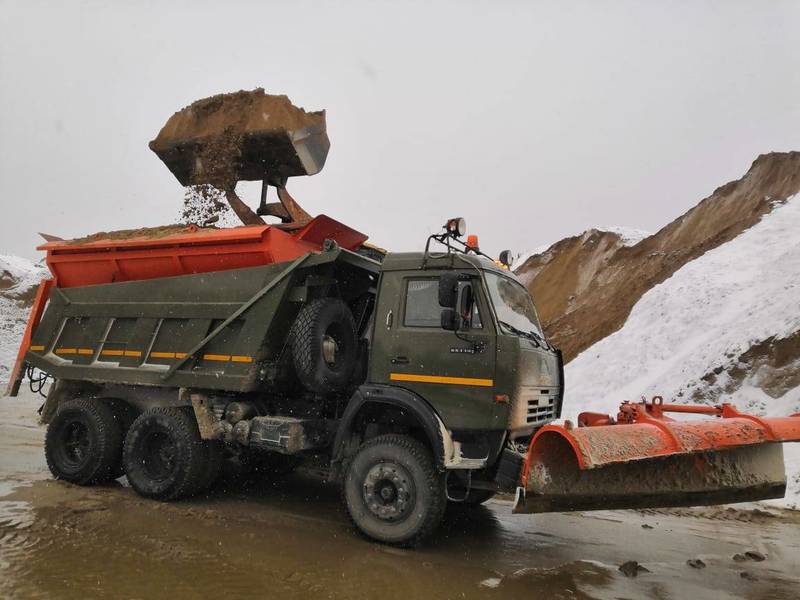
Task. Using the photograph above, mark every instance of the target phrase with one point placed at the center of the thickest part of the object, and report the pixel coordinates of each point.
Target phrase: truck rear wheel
(83, 443)
(164, 456)
(324, 345)
(393, 492)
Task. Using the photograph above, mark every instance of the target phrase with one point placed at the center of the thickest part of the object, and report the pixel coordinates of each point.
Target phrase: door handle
(400, 360)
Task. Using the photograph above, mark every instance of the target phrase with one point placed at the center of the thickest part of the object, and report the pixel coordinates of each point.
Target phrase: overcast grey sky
(532, 120)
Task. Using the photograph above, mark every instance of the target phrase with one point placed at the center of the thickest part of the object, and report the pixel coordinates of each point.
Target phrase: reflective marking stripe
(215, 357)
(36, 348)
(138, 354)
(440, 379)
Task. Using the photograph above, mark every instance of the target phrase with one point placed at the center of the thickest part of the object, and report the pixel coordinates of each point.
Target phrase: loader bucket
(645, 459)
(248, 135)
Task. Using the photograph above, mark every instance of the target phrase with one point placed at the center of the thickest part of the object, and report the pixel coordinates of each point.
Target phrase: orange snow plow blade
(644, 458)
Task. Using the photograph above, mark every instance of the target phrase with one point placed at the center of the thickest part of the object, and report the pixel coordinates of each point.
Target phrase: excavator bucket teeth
(654, 461)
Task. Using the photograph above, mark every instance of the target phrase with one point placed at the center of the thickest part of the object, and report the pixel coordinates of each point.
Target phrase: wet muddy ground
(294, 541)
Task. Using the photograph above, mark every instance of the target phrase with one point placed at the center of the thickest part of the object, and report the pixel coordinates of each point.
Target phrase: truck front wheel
(164, 456)
(393, 492)
(83, 443)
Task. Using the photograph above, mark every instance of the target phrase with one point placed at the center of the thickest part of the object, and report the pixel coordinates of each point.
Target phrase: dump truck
(418, 380)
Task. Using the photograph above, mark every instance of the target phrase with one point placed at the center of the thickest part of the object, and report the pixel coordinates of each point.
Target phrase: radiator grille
(540, 409)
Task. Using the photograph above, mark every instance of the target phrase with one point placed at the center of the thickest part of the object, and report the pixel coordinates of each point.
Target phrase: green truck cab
(418, 379)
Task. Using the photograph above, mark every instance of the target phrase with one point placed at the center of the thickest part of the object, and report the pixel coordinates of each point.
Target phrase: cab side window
(422, 305)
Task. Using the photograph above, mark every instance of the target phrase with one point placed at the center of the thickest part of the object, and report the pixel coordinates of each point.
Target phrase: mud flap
(742, 474)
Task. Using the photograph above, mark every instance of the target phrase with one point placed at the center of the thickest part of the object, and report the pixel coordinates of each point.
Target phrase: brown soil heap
(585, 286)
(132, 234)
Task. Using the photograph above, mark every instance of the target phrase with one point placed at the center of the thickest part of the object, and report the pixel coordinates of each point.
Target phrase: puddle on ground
(293, 540)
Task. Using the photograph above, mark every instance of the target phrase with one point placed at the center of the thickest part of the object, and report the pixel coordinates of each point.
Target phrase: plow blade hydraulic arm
(646, 459)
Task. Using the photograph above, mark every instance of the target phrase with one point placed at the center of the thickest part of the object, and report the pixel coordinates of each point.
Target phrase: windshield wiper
(540, 341)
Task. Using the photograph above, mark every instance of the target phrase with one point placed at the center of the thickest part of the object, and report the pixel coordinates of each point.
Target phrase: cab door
(453, 372)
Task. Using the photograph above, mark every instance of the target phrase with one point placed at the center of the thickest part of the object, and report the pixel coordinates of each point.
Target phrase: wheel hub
(329, 350)
(76, 443)
(388, 492)
(159, 455)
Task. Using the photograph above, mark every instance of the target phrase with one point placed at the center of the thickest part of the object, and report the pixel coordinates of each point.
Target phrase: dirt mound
(585, 286)
(772, 365)
(131, 234)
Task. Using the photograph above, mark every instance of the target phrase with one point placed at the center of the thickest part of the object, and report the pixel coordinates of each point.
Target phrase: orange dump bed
(192, 250)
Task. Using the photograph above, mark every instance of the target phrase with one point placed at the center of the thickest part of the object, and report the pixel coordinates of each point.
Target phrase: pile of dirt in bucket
(212, 131)
(247, 135)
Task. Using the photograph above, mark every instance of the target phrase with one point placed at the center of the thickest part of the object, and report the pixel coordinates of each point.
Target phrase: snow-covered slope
(628, 235)
(18, 280)
(585, 286)
(691, 338)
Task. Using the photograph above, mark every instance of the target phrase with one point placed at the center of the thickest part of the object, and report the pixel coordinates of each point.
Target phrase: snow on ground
(703, 317)
(522, 258)
(17, 275)
(628, 235)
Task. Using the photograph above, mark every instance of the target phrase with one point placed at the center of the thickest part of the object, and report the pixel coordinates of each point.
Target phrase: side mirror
(449, 319)
(459, 316)
(448, 290)
(506, 259)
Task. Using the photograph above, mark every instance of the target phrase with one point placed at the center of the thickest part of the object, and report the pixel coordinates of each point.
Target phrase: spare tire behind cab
(324, 345)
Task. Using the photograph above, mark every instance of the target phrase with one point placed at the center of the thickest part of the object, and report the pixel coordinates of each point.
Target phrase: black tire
(83, 442)
(324, 345)
(164, 456)
(393, 492)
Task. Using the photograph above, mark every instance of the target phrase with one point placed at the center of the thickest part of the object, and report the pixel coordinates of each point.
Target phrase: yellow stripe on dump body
(66, 350)
(214, 357)
(85, 351)
(112, 353)
(36, 348)
(441, 379)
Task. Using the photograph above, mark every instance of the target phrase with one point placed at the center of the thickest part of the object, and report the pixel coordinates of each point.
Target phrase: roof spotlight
(456, 227)
(506, 259)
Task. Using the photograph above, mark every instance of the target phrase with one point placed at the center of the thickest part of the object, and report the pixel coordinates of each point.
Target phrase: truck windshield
(513, 306)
